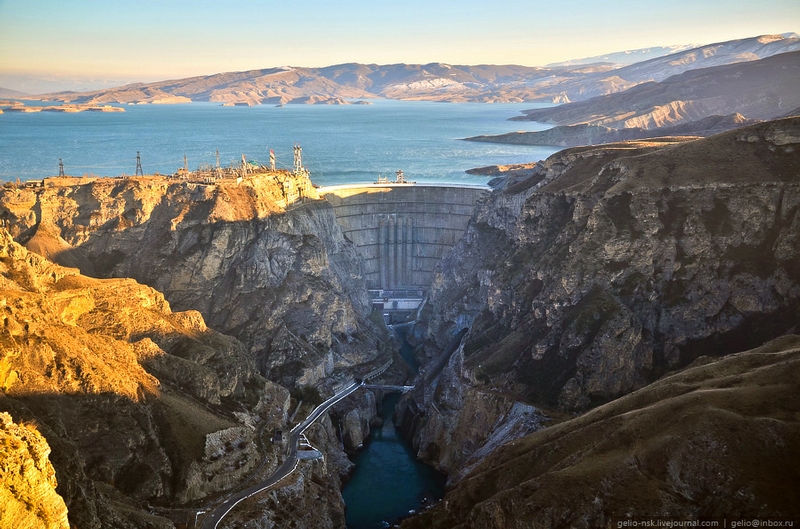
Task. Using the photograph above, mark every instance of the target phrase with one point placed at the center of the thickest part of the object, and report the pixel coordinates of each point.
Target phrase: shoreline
(67, 109)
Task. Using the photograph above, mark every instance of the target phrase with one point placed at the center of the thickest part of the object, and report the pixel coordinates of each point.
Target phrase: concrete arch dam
(403, 230)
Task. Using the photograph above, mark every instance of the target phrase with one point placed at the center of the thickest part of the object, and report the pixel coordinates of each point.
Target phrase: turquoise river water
(389, 483)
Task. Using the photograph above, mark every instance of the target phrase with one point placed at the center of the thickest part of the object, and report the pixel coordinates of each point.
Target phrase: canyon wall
(599, 271)
(715, 442)
(28, 495)
(150, 412)
(266, 266)
(126, 391)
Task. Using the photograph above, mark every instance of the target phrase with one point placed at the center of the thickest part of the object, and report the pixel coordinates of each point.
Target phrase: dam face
(403, 230)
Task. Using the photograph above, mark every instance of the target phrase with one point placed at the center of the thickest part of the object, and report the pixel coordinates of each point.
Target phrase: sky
(48, 45)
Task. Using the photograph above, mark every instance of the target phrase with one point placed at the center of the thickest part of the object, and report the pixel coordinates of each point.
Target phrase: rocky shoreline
(67, 109)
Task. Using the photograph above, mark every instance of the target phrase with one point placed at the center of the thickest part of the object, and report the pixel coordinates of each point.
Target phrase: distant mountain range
(699, 102)
(624, 58)
(11, 94)
(762, 89)
(344, 83)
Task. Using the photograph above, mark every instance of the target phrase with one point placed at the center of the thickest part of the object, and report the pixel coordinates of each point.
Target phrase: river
(389, 482)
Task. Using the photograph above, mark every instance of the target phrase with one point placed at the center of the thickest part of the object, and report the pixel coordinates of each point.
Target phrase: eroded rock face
(610, 267)
(276, 274)
(715, 441)
(28, 495)
(126, 391)
(309, 497)
(242, 256)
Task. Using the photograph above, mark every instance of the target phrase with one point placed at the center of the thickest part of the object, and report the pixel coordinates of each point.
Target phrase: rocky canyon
(614, 336)
(592, 349)
(108, 343)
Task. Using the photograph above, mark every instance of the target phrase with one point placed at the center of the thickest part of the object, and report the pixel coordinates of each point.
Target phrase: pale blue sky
(105, 41)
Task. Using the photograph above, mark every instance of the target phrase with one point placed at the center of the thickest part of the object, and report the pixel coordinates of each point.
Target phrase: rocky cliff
(128, 394)
(28, 495)
(716, 441)
(598, 271)
(145, 406)
(262, 260)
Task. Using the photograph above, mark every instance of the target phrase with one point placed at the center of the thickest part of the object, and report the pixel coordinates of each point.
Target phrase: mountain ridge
(603, 267)
(761, 89)
(698, 102)
(337, 84)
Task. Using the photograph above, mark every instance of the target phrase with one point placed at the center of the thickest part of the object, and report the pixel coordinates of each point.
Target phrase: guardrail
(379, 371)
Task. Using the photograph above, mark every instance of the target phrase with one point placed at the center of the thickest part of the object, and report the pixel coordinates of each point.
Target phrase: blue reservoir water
(388, 482)
(341, 144)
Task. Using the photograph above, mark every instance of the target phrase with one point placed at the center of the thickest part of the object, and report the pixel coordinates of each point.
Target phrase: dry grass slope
(720, 439)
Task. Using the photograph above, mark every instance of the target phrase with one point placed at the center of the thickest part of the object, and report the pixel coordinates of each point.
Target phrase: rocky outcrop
(28, 495)
(716, 441)
(126, 392)
(309, 497)
(261, 259)
(606, 269)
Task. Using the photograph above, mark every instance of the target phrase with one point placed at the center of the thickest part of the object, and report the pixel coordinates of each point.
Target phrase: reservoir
(341, 144)
(389, 482)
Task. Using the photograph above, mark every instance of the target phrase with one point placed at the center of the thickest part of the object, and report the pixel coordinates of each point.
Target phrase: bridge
(389, 387)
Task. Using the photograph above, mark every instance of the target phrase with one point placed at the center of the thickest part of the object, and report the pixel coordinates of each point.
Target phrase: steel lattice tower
(139, 171)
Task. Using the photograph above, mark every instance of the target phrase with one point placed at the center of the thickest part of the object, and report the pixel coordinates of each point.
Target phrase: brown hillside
(762, 89)
(718, 440)
(125, 391)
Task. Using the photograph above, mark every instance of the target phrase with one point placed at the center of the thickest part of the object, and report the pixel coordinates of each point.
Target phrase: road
(212, 520)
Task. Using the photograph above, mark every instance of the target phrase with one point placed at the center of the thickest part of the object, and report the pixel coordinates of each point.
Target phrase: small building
(277, 437)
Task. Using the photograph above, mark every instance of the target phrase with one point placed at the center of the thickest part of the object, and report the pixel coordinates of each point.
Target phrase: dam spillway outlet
(397, 306)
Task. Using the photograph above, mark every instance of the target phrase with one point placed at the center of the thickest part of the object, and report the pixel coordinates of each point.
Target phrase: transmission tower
(271, 160)
(60, 167)
(218, 171)
(139, 171)
(298, 159)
